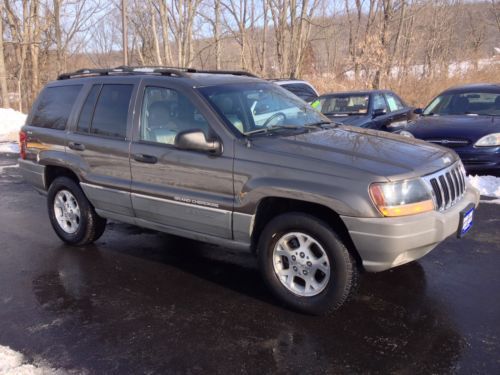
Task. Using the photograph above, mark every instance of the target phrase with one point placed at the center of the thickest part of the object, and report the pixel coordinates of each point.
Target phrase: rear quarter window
(54, 106)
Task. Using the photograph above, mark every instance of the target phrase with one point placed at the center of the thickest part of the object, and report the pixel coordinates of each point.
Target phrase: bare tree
(182, 16)
(3, 72)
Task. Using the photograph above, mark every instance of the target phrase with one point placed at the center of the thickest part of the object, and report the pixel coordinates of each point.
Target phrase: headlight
(405, 133)
(489, 140)
(408, 197)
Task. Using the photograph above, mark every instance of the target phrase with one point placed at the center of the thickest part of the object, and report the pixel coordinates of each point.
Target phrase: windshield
(470, 103)
(344, 104)
(252, 107)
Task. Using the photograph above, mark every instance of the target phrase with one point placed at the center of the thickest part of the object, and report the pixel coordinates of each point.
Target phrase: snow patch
(9, 148)
(487, 185)
(14, 363)
(11, 122)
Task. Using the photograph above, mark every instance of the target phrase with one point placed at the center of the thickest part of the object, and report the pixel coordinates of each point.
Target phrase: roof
(485, 87)
(355, 92)
(287, 80)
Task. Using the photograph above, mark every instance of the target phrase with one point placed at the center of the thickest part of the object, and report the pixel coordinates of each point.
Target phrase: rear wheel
(306, 264)
(71, 214)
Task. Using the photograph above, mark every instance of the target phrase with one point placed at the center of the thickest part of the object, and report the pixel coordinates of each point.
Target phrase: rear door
(99, 145)
(179, 189)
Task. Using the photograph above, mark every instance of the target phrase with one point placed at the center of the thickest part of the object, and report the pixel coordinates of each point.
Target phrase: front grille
(450, 142)
(448, 186)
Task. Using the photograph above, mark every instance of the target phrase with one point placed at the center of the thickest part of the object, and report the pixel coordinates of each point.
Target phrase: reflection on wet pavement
(142, 302)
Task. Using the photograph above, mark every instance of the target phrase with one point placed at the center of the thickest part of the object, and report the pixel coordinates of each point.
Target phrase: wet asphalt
(138, 301)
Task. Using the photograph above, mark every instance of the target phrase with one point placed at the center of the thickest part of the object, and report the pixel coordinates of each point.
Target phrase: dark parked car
(467, 120)
(200, 155)
(373, 109)
(303, 89)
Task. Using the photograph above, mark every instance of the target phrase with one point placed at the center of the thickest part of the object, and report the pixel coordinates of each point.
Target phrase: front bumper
(480, 158)
(385, 243)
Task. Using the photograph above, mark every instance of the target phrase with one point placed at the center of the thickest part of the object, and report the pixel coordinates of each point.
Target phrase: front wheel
(71, 214)
(306, 264)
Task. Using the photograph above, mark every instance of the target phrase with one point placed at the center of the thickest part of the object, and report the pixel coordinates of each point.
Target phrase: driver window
(379, 102)
(166, 112)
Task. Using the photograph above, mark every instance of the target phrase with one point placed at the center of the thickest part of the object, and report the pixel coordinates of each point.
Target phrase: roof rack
(122, 70)
(162, 70)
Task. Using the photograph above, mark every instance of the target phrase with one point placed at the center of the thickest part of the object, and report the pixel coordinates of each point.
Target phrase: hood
(348, 150)
(354, 120)
(465, 126)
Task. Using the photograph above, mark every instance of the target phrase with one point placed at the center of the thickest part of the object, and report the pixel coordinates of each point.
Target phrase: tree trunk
(217, 35)
(58, 34)
(164, 30)
(3, 73)
(155, 35)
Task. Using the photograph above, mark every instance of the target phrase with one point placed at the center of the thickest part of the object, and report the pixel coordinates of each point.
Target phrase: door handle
(76, 146)
(141, 158)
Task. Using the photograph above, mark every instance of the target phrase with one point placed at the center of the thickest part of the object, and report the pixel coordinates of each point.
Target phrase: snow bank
(10, 123)
(13, 363)
(487, 185)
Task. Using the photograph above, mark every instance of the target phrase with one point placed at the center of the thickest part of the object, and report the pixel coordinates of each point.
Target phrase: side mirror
(378, 112)
(195, 140)
(418, 111)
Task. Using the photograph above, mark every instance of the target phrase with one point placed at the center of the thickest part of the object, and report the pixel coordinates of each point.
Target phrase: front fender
(343, 199)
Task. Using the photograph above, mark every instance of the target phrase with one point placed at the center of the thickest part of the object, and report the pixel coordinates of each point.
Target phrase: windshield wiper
(274, 128)
(322, 125)
(342, 114)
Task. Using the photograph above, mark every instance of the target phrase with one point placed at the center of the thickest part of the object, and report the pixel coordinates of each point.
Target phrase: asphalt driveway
(142, 302)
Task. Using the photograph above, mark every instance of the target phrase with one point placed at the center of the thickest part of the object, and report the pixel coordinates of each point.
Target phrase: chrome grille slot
(447, 186)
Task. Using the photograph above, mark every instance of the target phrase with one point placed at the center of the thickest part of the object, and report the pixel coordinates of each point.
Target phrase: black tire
(344, 273)
(91, 226)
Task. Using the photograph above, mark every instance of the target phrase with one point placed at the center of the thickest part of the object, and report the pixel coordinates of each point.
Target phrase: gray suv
(233, 160)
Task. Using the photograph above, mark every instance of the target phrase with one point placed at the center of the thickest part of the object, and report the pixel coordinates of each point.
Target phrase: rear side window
(54, 106)
(105, 111)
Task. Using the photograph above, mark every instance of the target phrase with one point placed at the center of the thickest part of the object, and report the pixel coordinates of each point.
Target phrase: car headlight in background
(489, 140)
(407, 134)
(401, 198)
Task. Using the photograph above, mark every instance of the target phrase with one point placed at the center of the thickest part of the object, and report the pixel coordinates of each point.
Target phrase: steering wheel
(280, 115)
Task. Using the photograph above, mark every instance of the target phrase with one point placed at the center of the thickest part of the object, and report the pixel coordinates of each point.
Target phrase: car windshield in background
(471, 103)
(251, 108)
(344, 105)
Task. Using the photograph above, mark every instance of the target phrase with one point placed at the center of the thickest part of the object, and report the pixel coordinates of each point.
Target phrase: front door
(400, 113)
(179, 189)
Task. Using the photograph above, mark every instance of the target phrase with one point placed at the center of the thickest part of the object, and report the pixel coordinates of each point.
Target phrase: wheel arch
(54, 171)
(270, 207)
